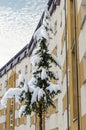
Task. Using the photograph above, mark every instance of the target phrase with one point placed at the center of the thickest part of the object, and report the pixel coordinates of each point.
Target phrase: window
(64, 103)
(5, 111)
(25, 54)
(12, 106)
(32, 120)
(18, 121)
(48, 112)
(30, 68)
(0, 86)
(54, 109)
(61, 19)
(11, 122)
(56, 105)
(18, 106)
(4, 126)
(11, 127)
(25, 120)
(55, 27)
(19, 72)
(11, 119)
(6, 83)
(12, 101)
(62, 40)
(26, 69)
(63, 70)
(22, 120)
(54, 51)
(18, 59)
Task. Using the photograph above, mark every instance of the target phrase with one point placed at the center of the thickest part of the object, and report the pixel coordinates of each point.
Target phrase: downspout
(67, 98)
(35, 120)
(76, 57)
(6, 108)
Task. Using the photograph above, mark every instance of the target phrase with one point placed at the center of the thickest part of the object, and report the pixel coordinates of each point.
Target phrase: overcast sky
(18, 20)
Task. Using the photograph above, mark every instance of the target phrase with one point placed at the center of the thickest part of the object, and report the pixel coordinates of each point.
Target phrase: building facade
(68, 43)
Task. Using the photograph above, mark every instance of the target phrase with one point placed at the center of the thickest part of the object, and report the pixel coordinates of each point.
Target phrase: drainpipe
(35, 120)
(67, 98)
(76, 57)
(6, 108)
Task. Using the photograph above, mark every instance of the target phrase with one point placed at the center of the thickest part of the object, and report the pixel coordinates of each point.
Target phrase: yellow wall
(11, 102)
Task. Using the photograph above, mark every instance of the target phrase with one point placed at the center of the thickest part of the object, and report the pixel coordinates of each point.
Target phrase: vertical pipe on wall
(6, 89)
(76, 57)
(67, 98)
(35, 121)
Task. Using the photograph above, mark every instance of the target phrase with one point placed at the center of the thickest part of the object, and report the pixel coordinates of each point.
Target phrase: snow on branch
(26, 87)
(41, 33)
(34, 95)
(56, 60)
(32, 88)
(43, 73)
(16, 93)
(11, 93)
(35, 60)
(35, 51)
(52, 74)
(21, 80)
(41, 93)
(32, 82)
(22, 110)
(37, 94)
(53, 88)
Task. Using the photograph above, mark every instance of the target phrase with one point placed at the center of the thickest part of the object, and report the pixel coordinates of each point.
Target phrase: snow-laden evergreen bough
(37, 94)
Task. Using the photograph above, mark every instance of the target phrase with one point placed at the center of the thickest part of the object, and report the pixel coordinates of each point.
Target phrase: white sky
(18, 20)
